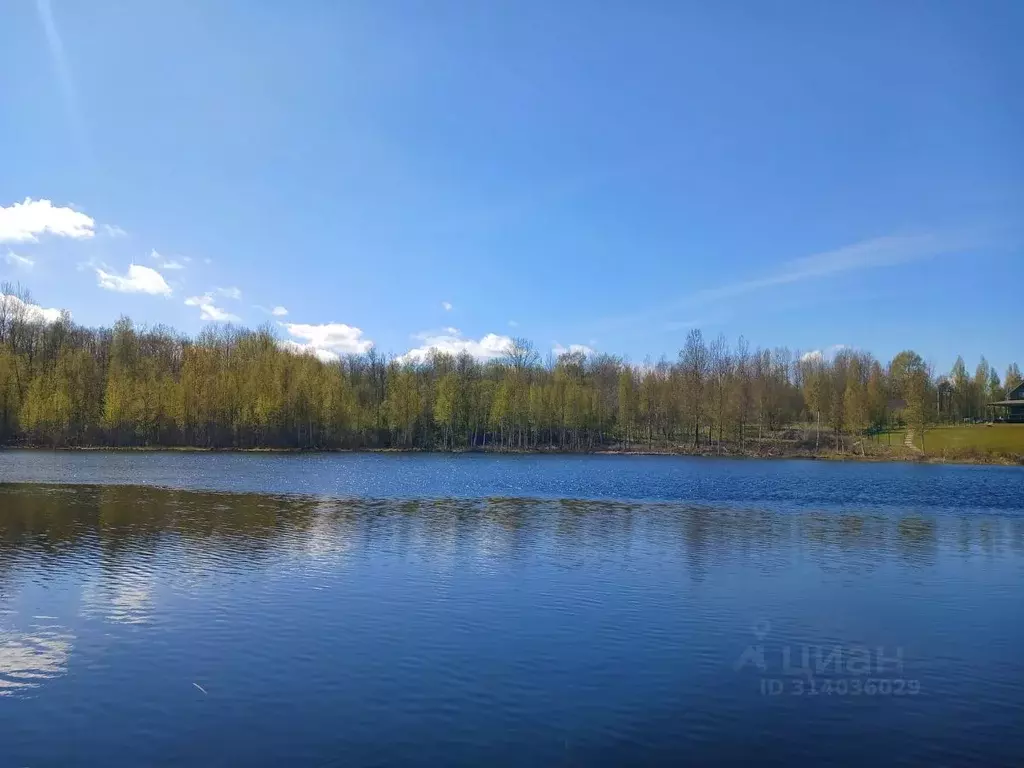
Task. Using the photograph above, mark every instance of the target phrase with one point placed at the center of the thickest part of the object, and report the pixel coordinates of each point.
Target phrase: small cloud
(139, 279)
(24, 262)
(208, 311)
(229, 293)
(328, 341)
(558, 349)
(818, 355)
(277, 311)
(113, 230)
(450, 340)
(207, 261)
(513, 324)
(24, 222)
(447, 306)
(165, 263)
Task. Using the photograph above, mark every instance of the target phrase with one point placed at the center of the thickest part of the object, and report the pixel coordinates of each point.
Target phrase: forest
(63, 385)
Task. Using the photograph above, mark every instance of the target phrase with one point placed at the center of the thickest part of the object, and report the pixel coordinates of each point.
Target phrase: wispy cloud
(870, 254)
(164, 263)
(209, 311)
(64, 80)
(229, 293)
(876, 253)
(15, 260)
(447, 306)
(138, 279)
(113, 230)
(277, 311)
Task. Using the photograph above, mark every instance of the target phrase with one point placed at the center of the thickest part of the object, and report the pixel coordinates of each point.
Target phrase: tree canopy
(65, 385)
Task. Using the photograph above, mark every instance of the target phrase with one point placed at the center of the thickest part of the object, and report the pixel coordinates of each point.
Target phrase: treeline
(65, 385)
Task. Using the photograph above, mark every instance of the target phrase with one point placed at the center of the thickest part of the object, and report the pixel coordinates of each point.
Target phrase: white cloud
(34, 313)
(19, 261)
(277, 311)
(323, 355)
(818, 356)
(113, 230)
(513, 324)
(138, 280)
(173, 265)
(447, 306)
(208, 311)
(24, 222)
(327, 341)
(558, 349)
(450, 340)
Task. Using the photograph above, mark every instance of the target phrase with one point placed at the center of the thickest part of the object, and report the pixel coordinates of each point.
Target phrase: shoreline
(886, 456)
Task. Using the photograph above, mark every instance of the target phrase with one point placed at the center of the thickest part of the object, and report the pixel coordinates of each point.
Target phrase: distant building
(1012, 408)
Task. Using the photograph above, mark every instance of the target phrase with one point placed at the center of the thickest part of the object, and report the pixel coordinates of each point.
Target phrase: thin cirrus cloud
(138, 279)
(875, 253)
(209, 311)
(24, 222)
(450, 340)
(327, 341)
(16, 260)
(114, 231)
(869, 254)
(447, 306)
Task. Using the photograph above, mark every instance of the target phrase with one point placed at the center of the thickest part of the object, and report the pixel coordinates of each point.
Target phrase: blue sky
(607, 174)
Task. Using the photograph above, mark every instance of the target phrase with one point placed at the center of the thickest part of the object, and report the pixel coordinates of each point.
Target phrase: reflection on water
(129, 525)
(27, 660)
(245, 628)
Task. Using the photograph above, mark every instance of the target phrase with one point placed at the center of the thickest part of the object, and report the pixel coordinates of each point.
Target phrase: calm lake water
(196, 609)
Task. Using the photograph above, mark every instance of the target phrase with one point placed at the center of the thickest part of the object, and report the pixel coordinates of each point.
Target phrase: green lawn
(1000, 438)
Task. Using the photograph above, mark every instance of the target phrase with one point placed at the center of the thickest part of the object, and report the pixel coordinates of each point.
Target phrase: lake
(370, 609)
